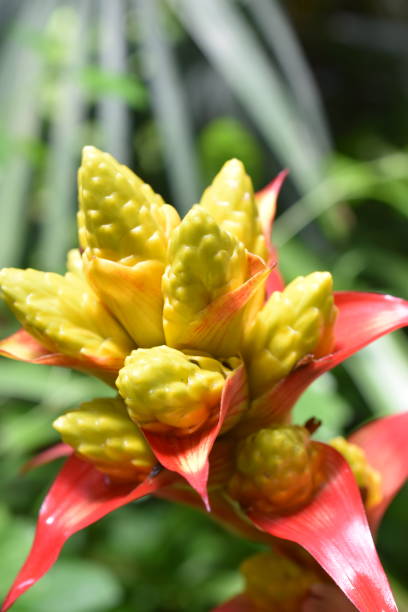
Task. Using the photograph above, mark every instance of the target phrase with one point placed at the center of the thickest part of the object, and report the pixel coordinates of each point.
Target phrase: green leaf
(98, 82)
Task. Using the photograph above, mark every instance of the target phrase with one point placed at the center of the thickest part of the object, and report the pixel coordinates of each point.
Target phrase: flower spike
(230, 201)
(333, 528)
(124, 228)
(80, 496)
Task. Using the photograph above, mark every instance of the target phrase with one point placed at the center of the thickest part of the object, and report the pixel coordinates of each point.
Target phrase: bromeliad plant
(190, 322)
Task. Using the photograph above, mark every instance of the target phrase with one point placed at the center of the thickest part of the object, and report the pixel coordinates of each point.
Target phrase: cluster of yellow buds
(274, 582)
(170, 309)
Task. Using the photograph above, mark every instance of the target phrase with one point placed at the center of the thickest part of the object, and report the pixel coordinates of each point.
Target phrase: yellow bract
(102, 432)
(368, 479)
(230, 200)
(121, 218)
(294, 324)
(64, 314)
(276, 469)
(274, 582)
(167, 390)
(205, 264)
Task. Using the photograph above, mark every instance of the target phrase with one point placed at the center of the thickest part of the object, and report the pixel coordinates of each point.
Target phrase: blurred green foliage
(174, 88)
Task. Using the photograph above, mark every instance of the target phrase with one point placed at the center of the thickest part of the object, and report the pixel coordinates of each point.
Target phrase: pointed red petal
(24, 347)
(46, 456)
(275, 281)
(188, 455)
(333, 528)
(266, 200)
(384, 442)
(240, 603)
(362, 318)
(79, 496)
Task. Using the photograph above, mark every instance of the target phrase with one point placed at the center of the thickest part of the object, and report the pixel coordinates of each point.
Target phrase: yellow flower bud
(205, 264)
(101, 432)
(274, 582)
(121, 218)
(295, 323)
(124, 227)
(276, 469)
(64, 314)
(166, 390)
(230, 201)
(368, 479)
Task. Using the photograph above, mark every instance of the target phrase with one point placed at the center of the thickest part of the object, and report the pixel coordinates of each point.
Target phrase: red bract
(79, 496)
(333, 528)
(337, 507)
(267, 200)
(188, 456)
(21, 346)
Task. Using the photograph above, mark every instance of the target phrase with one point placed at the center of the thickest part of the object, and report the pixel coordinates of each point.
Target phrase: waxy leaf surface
(79, 497)
(333, 528)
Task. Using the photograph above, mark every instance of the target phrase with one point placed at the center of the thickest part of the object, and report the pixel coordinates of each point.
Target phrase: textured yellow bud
(295, 323)
(205, 264)
(124, 227)
(65, 315)
(274, 582)
(121, 218)
(276, 469)
(230, 200)
(102, 432)
(167, 390)
(368, 479)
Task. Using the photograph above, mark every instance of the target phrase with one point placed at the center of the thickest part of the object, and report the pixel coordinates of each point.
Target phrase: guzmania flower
(190, 322)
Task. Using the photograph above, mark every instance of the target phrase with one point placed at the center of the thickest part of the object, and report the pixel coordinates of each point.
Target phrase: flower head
(190, 322)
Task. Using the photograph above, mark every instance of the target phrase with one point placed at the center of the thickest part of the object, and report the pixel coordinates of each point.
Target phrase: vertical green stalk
(272, 21)
(233, 49)
(58, 229)
(20, 113)
(113, 113)
(169, 104)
